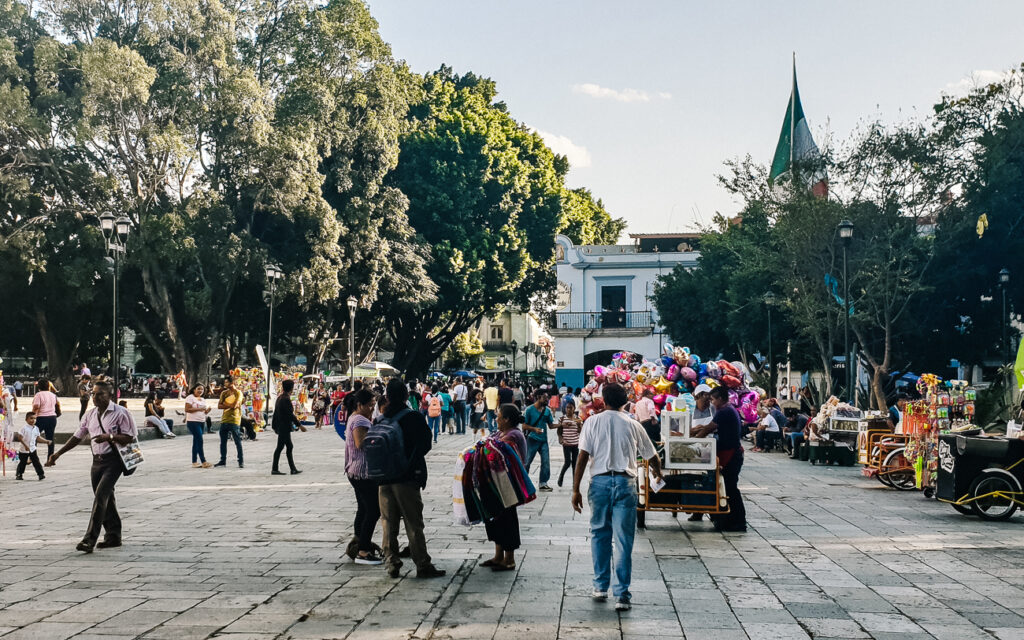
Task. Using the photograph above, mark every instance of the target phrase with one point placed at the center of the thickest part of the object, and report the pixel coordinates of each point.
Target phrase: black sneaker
(43, 477)
(371, 558)
(18, 477)
(221, 464)
(275, 472)
(84, 547)
(241, 466)
(394, 572)
(108, 544)
(430, 572)
(623, 604)
(295, 472)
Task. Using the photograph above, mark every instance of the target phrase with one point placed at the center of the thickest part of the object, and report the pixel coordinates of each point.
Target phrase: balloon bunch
(671, 379)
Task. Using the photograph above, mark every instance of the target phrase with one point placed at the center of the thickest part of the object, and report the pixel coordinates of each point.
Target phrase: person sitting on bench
(768, 431)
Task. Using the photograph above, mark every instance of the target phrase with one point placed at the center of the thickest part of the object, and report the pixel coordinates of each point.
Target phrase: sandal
(503, 567)
(490, 563)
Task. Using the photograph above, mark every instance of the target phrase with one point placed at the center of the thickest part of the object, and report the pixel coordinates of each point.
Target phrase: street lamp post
(273, 275)
(1004, 280)
(115, 235)
(846, 235)
(515, 348)
(769, 300)
(353, 304)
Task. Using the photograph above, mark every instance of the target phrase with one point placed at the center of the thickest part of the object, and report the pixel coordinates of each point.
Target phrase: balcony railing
(603, 320)
(497, 345)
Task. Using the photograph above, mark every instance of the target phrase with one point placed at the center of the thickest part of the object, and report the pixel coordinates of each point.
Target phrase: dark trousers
(23, 459)
(571, 454)
(367, 511)
(250, 428)
(229, 430)
(460, 416)
(85, 406)
(737, 516)
(47, 425)
(503, 530)
(196, 429)
(402, 501)
(106, 471)
(284, 443)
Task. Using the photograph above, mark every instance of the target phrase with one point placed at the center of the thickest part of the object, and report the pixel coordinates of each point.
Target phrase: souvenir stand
(838, 425)
(945, 407)
(693, 482)
(252, 384)
(7, 448)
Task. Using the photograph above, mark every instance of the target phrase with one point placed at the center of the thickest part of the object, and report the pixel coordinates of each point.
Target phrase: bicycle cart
(684, 492)
(886, 460)
(981, 476)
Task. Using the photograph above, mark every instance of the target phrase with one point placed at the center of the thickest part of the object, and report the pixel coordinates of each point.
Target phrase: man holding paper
(611, 441)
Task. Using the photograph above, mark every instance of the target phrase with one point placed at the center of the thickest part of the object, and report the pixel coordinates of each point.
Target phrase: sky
(648, 99)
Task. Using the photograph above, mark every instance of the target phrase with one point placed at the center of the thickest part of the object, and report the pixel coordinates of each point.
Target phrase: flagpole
(792, 120)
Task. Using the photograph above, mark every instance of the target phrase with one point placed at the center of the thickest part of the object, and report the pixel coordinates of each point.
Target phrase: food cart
(693, 479)
(981, 475)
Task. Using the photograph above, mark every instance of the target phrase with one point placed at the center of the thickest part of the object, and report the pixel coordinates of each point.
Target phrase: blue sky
(649, 98)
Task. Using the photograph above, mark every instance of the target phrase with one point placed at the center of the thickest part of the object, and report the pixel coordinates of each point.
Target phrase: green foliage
(464, 349)
(586, 221)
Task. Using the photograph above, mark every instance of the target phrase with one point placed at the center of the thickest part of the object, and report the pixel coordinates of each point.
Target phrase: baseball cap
(701, 388)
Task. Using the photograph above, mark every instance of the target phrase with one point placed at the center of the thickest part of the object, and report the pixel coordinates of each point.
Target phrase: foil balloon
(591, 386)
(731, 381)
(714, 371)
(662, 385)
(681, 355)
(585, 397)
(673, 373)
(670, 403)
(659, 400)
(597, 405)
(599, 372)
(623, 376)
(688, 374)
(727, 369)
(734, 398)
(689, 401)
(667, 350)
(694, 361)
(702, 371)
(667, 361)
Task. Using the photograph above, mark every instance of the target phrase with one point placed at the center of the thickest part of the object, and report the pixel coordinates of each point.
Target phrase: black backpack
(384, 449)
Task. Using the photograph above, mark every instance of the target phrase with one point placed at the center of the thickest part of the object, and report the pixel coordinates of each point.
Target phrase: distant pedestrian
(108, 425)
(282, 422)
(46, 406)
(491, 401)
(503, 529)
(400, 499)
(460, 397)
(446, 411)
(505, 393)
(569, 438)
(537, 419)
(432, 401)
(611, 442)
(363, 551)
(28, 437)
(230, 402)
(196, 412)
(84, 392)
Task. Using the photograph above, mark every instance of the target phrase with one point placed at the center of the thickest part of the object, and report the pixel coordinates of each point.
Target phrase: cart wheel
(965, 509)
(903, 476)
(884, 479)
(929, 492)
(998, 507)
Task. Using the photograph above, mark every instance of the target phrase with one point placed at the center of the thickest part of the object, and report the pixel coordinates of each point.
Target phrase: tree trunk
(58, 356)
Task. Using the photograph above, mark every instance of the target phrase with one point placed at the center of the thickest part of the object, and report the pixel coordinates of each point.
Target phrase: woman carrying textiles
(503, 529)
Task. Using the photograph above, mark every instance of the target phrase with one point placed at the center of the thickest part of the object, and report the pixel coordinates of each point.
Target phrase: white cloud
(577, 154)
(624, 95)
(979, 78)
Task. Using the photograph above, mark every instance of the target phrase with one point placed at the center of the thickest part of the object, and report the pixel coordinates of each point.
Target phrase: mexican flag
(797, 145)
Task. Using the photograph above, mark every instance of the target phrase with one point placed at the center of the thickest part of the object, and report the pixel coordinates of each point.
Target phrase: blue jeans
(532, 447)
(467, 417)
(492, 421)
(612, 511)
(435, 425)
(230, 430)
(196, 429)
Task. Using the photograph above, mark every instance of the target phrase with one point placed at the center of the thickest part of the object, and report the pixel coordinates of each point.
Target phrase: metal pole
(113, 335)
(771, 367)
(351, 348)
(1006, 337)
(270, 353)
(846, 326)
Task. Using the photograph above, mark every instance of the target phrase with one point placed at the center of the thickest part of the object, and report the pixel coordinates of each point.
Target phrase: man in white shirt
(611, 441)
(459, 395)
(647, 415)
(109, 426)
(768, 431)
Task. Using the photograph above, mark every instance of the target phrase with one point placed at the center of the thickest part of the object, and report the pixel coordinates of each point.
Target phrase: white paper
(657, 485)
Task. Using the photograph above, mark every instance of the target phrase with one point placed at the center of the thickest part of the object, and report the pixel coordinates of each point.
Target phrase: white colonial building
(604, 299)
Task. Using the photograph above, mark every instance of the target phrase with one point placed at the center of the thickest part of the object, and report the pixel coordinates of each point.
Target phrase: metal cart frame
(646, 499)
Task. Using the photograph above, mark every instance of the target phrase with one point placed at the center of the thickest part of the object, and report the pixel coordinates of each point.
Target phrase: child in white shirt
(28, 437)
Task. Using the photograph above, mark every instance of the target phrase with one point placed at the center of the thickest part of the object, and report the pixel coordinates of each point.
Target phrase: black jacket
(418, 441)
(284, 415)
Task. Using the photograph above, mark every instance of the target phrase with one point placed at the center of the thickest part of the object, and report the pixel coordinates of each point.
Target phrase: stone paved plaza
(239, 554)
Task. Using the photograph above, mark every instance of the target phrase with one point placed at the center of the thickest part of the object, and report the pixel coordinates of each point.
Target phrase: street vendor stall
(945, 407)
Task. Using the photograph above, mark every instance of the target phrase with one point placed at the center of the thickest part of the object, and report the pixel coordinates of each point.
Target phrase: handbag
(130, 454)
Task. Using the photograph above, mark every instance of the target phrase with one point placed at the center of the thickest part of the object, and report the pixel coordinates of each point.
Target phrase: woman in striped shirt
(569, 438)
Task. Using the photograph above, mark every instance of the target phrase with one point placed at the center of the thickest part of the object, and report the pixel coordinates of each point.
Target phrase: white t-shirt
(769, 423)
(195, 409)
(614, 440)
(460, 392)
(29, 433)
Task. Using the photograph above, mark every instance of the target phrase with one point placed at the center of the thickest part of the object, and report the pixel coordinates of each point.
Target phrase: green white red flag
(796, 146)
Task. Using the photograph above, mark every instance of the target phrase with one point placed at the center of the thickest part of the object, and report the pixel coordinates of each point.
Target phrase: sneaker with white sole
(545, 487)
(623, 604)
(599, 596)
(371, 558)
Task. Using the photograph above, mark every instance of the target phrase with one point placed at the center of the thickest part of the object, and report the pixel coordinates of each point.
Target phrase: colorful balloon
(673, 373)
(688, 374)
(662, 385)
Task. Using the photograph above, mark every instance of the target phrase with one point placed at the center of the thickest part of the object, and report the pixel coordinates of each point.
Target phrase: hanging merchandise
(489, 478)
(946, 407)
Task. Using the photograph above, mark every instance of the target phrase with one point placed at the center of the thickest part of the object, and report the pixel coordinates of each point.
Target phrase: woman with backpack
(432, 401)
(362, 549)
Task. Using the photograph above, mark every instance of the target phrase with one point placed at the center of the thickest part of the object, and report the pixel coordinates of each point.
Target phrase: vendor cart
(684, 491)
(885, 459)
(982, 476)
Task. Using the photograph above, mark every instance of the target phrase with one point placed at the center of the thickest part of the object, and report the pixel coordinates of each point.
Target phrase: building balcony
(587, 323)
(497, 345)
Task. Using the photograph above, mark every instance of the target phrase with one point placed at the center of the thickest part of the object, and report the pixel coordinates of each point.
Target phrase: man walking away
(230, 421)
(400, 499)
(537, 420)
(108, 425)
(491, 400)
(459, 395)
(610, 442)
(282, 421)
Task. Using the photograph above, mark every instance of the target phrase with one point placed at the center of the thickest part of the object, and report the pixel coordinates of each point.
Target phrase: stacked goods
(671, 380)
(489, 478)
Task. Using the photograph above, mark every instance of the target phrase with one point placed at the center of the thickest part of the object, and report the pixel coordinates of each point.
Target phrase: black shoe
(295, 472)
(42, 477)
(108, 544)
(405, 553)
(221, 464)
(394, 572)
(18, 477)
(696, 517)
(430, 572)
(275, 472)
(241, 466)
(84, 547)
